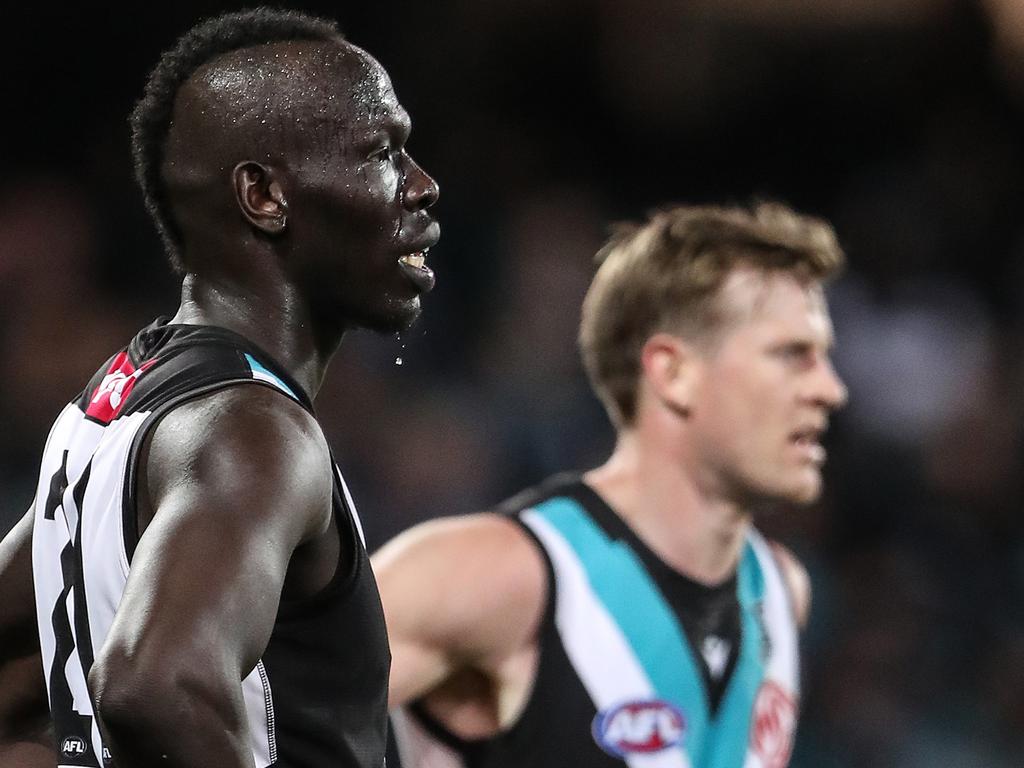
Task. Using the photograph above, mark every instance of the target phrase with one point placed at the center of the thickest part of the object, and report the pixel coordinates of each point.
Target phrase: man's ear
(670, 368)
(260, 197)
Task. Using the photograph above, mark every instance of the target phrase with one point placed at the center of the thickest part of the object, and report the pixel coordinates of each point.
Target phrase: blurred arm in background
(25, 738)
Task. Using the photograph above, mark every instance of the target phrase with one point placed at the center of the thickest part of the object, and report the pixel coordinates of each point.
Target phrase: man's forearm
(27, 741)
(179, 724)
(29, 751)
(26, 735)
(190, 747)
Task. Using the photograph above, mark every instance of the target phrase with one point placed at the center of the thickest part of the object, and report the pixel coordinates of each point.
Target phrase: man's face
(358, 224)
(765, 388)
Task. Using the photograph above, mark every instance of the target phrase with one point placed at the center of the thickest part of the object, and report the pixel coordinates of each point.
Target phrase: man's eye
(795, 351)
(381, 155)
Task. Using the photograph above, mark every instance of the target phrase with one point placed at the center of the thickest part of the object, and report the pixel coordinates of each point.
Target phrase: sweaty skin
(291, 232)
(327, 260)
(215, 555)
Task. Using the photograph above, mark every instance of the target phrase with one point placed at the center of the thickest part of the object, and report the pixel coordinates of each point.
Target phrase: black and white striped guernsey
(318, 696)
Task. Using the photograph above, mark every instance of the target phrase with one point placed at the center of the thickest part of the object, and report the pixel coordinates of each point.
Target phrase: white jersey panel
(105, 562)
(780, 619)
(777, 705)
(94, 461)
(64, 475)
(52, 531)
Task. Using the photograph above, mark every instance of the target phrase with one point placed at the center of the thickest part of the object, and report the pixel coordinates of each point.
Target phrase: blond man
(634, 614)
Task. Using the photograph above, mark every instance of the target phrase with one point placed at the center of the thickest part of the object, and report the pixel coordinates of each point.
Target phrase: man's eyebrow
(829, 341)
(398, 124)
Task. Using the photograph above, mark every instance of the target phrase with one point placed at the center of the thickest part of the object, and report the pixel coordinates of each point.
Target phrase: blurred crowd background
(901, 121)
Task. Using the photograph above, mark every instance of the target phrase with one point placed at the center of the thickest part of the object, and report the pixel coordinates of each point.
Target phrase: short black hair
(151, 118)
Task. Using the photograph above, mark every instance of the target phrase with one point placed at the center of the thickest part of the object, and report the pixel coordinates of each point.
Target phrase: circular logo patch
(639, 727)
(73, 747)
(774, 725)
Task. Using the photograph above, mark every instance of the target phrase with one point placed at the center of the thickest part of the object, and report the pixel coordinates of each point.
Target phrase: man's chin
(805, 493)
(802, 492)
(395, 318)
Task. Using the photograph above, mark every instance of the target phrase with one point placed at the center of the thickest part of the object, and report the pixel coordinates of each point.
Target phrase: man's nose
(833, 391)
(420, 190)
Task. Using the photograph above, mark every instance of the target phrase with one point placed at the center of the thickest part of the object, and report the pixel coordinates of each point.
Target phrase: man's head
(265, 132)
(716, 317)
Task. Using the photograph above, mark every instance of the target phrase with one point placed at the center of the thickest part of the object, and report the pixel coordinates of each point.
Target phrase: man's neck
(279, 323)
(692, 531)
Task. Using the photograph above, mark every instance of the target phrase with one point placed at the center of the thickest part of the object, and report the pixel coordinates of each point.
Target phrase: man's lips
(414, 263)
(414, 266)
(808, 442)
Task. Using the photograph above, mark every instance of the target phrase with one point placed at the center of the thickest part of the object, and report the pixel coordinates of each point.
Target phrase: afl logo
(774, 724)
(73, 746)
(639, 727)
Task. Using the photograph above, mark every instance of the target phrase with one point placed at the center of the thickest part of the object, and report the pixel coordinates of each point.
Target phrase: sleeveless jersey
(317, 698)
(618, 681)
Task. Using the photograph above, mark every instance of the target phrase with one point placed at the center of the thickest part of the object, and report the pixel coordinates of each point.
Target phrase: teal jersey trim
(260, 372)
(730, 731)
(623, 585)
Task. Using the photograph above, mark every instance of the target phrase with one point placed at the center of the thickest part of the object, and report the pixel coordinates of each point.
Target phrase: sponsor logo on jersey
(109, 397)
(73, 746)
(639, 727)
(771, 738)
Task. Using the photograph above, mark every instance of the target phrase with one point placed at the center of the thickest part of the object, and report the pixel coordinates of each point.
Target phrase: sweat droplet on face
(398, 338)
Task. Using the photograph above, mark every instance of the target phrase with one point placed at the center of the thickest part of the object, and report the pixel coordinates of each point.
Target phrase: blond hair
(664, 275)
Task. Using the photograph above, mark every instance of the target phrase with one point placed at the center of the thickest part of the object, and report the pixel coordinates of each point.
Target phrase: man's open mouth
(417, 259)
(808, 440)
(414, 265)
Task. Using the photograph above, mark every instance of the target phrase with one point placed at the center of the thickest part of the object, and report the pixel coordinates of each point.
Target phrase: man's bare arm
(797, 581)
(462, 592)
(235, 482)
(25, 735)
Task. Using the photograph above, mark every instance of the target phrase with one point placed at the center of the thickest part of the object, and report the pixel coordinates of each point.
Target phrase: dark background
(901, 121)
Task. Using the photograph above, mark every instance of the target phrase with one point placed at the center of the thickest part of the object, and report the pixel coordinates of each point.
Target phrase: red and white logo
(774, 725)
(108, 398)
(639, 727)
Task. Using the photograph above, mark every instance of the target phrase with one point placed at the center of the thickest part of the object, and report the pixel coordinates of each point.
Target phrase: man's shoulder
(245, 418)
(235, 441)
(561, 484)
(484, 536)
(485, 561)
(165, 365)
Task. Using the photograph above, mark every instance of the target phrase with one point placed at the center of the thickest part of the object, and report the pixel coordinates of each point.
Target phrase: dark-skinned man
(190, 586)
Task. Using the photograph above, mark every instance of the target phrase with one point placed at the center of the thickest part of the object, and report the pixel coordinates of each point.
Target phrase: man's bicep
(419, 659)
(202, 586)
(229, 507)
(458, 592)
